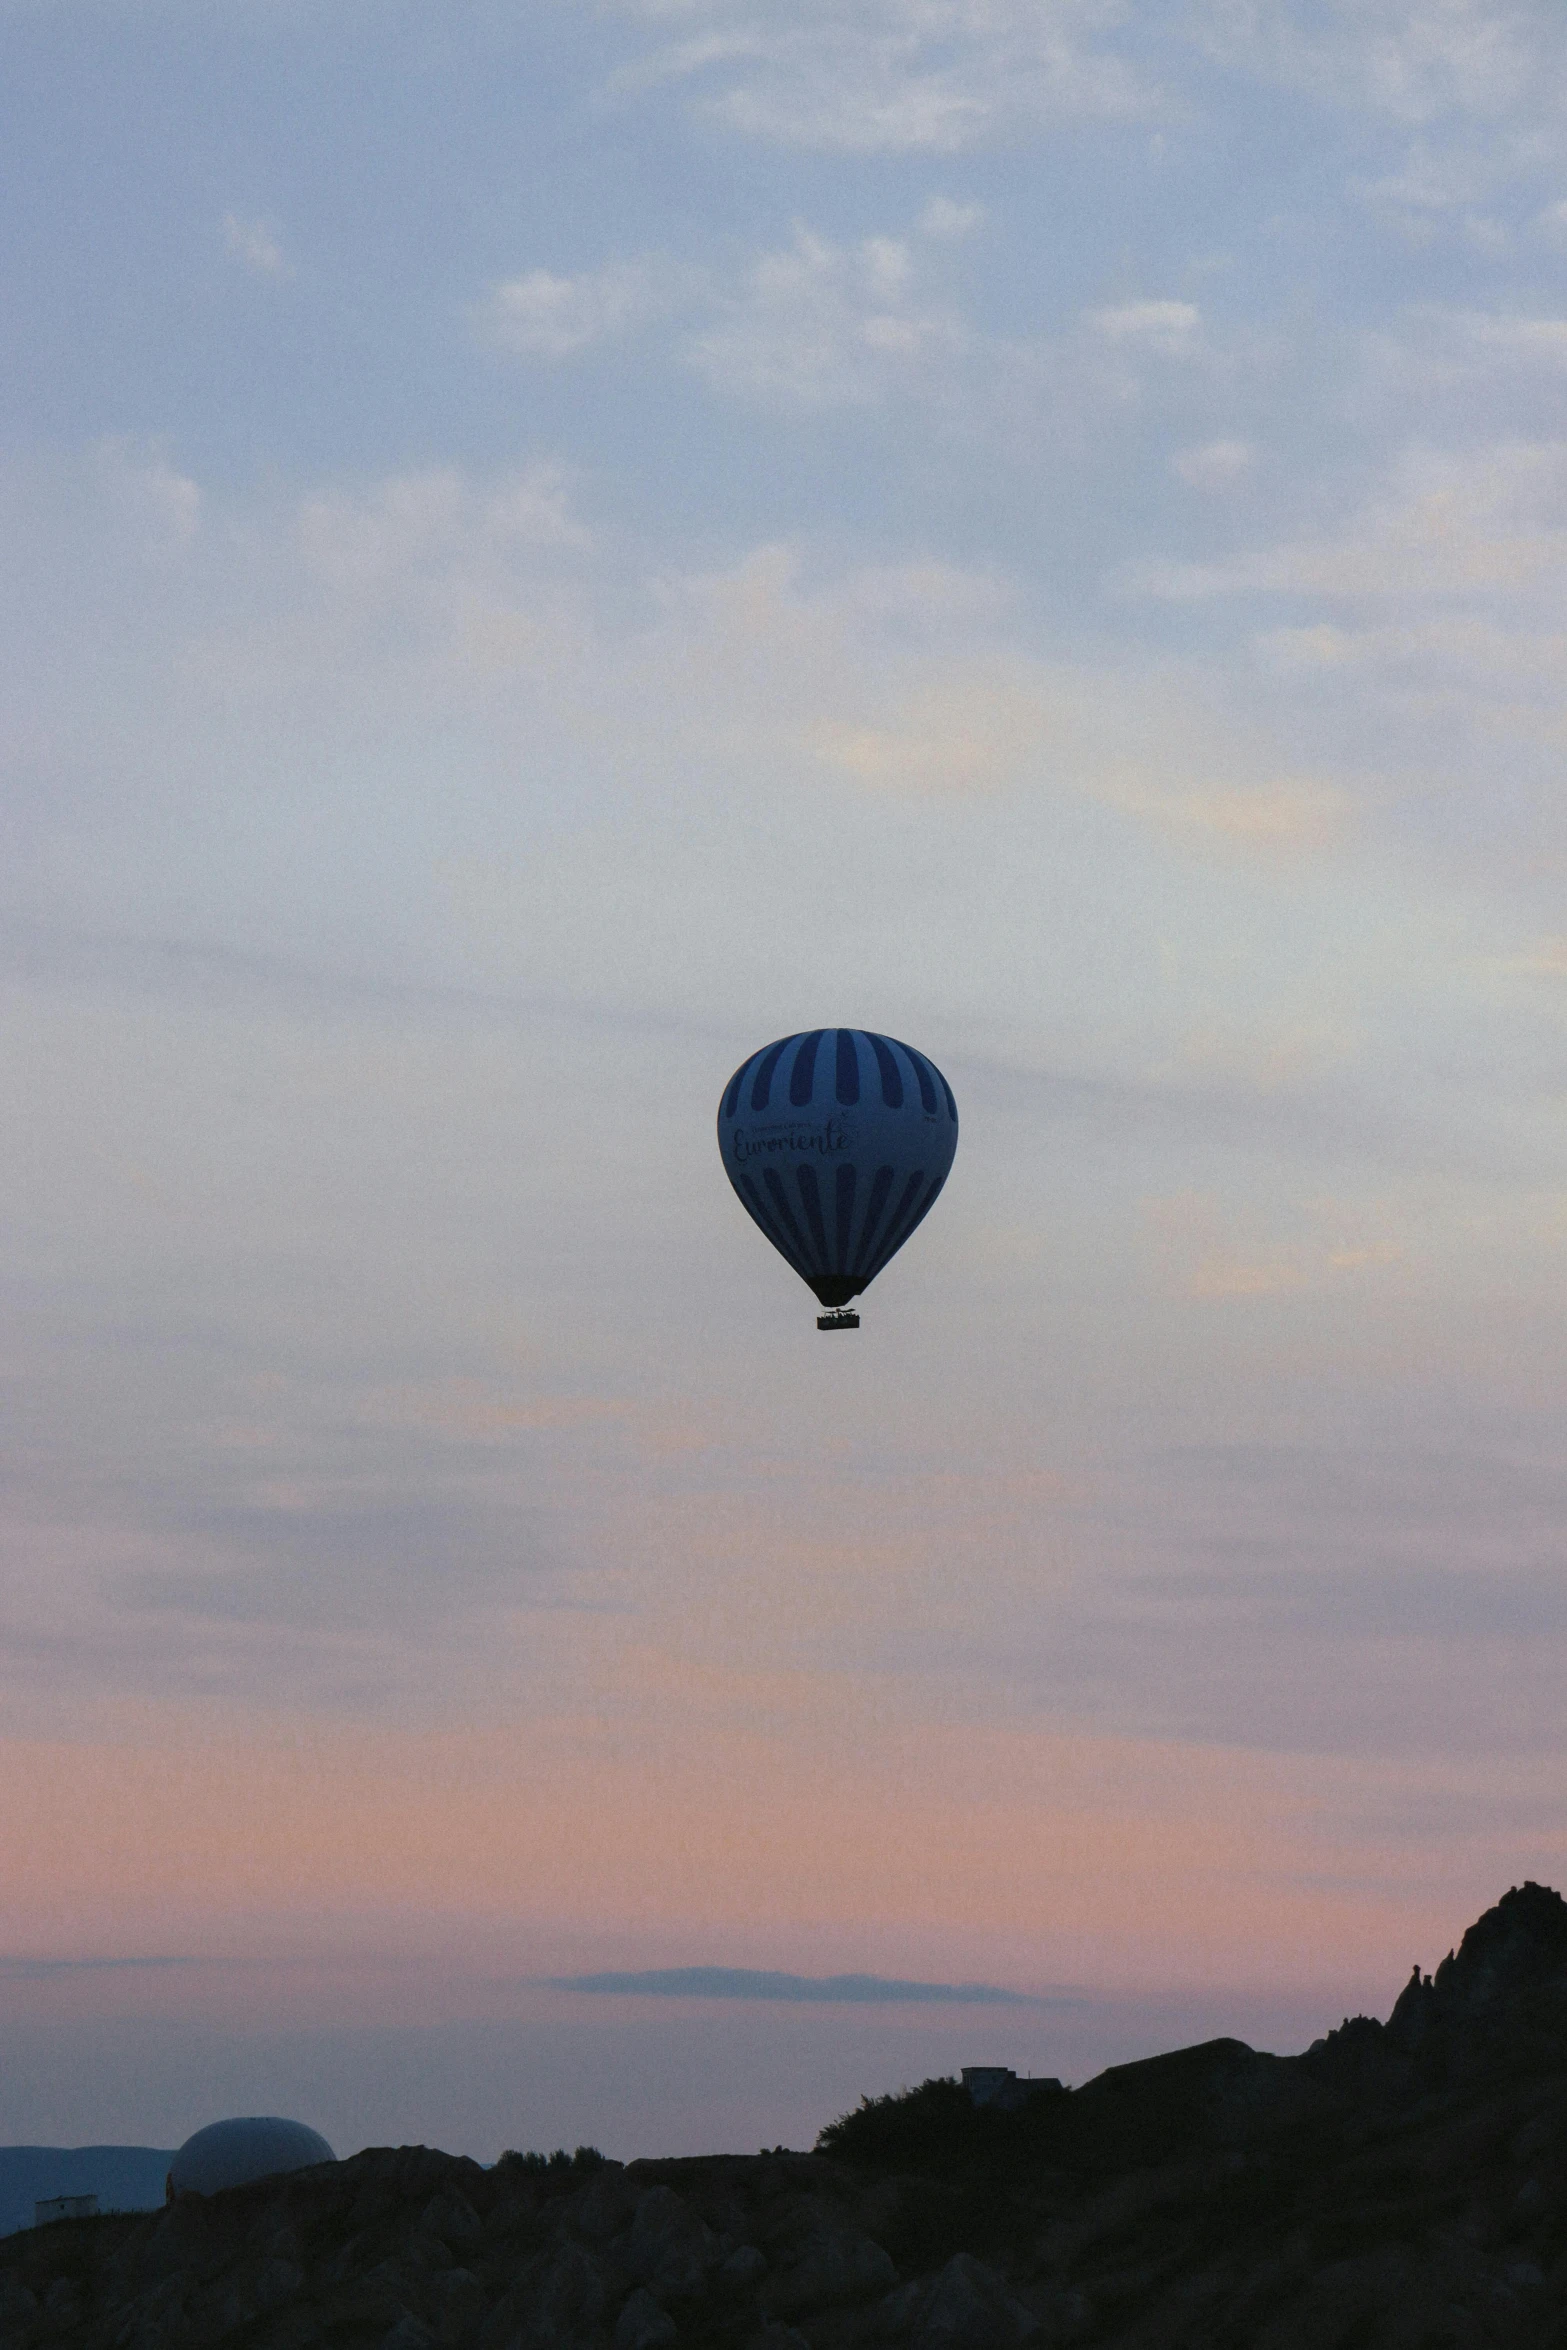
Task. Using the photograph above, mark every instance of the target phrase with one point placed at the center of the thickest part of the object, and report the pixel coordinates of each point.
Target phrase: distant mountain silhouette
(124, 2178)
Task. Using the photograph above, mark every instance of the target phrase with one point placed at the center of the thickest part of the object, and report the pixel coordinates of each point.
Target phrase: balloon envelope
(837, 1142)
(252, 2146)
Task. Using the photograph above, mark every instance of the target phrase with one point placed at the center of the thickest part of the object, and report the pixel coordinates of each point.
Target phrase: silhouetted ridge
(1400, 2186)
(1511, 1964)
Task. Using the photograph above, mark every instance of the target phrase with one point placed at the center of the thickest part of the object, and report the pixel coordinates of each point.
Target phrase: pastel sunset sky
(549, 542)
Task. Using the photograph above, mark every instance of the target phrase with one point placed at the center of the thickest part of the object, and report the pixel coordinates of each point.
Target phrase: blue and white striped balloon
(837, 1142)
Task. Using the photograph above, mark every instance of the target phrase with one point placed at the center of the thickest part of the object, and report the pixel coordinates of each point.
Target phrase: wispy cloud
(1477, 522)
(814, 323)
(255, 243)
(940, 76)
(823, 321)
(541, 315)
(1215, 465)
(819, 324)
(724, 1982)
(161, 504)
(1170, 328)
(47, 1970)
(425, 525)
(1416, 61)
(895, 76)
(950, 220)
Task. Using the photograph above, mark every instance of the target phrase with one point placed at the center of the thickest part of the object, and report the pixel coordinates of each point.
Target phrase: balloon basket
(844, 1320)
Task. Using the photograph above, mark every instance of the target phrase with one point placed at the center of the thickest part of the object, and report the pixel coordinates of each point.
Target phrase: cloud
(1493, 653)
(1328, 1239)
(541, 316)
(1208, 1259)
(943, 76)
(979, 733)
(818, 324)
(375, 1564)
(162, 504)
(812, 324)
(255, 243)
(1443, 355)
(1169, 328)
(1547, 960)
(1529, 341)
(438, 531)
(1416, 61)
(1289, 814)
(911, 685)
(949, 220)
(894, 76)
(1215, 465)
(1471, 523)
(48, 1970)
(722, 1982)
(1468, 187)
(1433, 180)
(1372, 1597)
(824, 322)
(1439, 366)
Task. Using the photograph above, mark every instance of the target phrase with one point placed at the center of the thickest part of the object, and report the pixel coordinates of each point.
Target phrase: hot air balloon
(233, 2153)
(837, 1142)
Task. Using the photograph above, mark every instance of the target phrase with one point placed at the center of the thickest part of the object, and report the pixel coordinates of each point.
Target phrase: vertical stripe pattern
(838, 1142)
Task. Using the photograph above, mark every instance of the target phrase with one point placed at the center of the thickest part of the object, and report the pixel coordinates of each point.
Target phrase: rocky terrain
(1400, 2186)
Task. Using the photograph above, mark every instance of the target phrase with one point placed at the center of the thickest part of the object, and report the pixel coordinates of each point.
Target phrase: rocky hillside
(1401, 2186)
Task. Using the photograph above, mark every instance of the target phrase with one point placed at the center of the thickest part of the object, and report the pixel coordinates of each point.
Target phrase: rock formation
(1400, 2186)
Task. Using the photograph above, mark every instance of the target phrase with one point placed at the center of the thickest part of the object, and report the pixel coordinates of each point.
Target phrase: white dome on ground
(255, 2146)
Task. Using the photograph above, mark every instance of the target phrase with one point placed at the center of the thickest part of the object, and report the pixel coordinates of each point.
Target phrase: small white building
(64, 2207)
